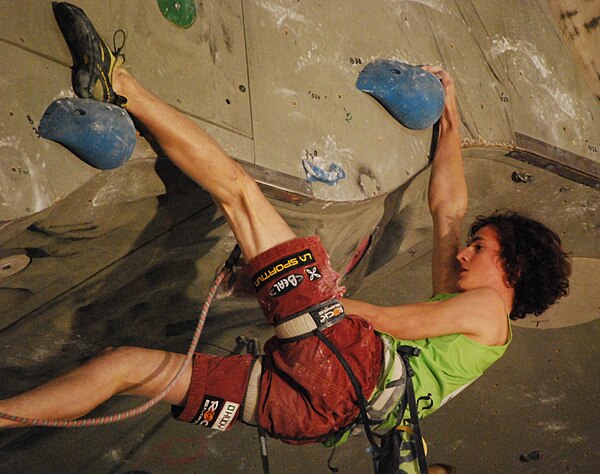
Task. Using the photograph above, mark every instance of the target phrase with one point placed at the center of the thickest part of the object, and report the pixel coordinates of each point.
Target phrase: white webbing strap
(251, 399)
(318, 317)
(296, 327)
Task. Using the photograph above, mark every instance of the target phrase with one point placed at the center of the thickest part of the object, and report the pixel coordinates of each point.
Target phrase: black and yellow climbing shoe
(93, 61)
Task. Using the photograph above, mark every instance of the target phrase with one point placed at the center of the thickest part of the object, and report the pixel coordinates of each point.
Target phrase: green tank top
(445, 367)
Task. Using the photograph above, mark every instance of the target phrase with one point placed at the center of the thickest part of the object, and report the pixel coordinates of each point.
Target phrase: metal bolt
(13, 264)
(521, 177)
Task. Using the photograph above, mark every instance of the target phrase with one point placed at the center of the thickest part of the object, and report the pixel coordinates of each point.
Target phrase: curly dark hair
(535, 264)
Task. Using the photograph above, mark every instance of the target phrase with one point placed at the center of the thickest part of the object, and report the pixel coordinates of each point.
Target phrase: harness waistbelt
(315, 318)
(307, 323)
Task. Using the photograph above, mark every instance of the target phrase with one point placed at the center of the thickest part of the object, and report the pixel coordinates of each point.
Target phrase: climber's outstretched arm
(447, 192)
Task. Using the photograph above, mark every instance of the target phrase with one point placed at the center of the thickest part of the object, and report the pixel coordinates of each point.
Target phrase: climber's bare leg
(120, 371)
(255, 223)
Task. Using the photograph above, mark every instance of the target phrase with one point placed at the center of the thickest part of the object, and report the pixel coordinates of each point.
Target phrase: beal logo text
(285, 284)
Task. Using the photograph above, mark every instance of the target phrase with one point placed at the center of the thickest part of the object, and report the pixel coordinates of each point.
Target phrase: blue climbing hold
(413, 96)
(99, 133)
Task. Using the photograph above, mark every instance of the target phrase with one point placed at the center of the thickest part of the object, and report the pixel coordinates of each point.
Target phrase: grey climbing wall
(126, 256)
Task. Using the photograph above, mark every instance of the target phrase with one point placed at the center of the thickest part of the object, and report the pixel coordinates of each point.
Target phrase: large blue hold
(101, 134)
(410, 94)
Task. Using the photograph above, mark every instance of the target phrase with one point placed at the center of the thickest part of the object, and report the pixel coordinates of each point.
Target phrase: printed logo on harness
(297, 260)
(226, 416)
(208, 410)
(328, 315)
(313, 273)
(285, 284)
(216, 413)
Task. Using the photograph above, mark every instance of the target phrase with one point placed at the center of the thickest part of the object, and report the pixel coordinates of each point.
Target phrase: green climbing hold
(181, 13)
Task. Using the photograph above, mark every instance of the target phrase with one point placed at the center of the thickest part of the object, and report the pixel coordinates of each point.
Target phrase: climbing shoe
(93, 61)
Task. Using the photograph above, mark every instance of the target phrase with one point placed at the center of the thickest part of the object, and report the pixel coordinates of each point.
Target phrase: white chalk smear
(563, 99)
(41, 354)
(335, 152)
(582, 208)
(65, 93)
(524, 49)
(41, 200)
(329, 56)
(114, 455)
(281, 11)
(438, 5)
(9, 142)
(554, 426)
(285, 92)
